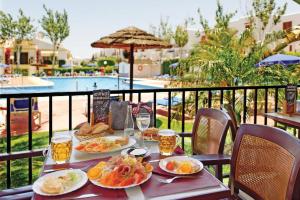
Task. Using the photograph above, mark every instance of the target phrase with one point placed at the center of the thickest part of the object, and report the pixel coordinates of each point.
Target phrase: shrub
(77, 69)
(166, 65)
(108, 69)
(24, 72)
(109, 62)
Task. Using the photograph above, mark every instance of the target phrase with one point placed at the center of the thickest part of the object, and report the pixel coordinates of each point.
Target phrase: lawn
(19, 168)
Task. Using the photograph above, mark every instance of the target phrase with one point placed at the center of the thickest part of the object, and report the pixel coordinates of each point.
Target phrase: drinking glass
(167, 142)
(61, 147)
(142, 122)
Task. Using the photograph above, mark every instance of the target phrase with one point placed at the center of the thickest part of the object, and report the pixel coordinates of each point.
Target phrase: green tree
(297, 1)
(57, 29)
(6, 27)
(16, 31)
(181, 37)
(164, 30)
(229, 58)
(23, 30)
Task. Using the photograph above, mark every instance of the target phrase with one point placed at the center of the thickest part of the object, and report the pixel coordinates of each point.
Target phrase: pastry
(52, 185)
(99, 128)
(85, 129)
(151, 133)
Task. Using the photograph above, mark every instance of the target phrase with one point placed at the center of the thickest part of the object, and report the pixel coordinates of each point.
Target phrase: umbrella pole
(131, 59)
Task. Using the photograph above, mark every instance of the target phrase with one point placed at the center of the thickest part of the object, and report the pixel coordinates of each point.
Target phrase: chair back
(229, 110)
(209, 131)
(21, 104)
(265, 163)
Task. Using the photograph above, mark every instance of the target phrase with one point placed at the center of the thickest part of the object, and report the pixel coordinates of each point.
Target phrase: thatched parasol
(131, 38)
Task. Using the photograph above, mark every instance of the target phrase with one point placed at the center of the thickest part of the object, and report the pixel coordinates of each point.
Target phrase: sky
(91, 19)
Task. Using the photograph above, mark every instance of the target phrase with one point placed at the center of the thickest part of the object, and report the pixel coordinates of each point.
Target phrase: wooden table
(289, 120)
(217, 192)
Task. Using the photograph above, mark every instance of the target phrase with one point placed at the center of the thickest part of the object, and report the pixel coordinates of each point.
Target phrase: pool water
(71, 84)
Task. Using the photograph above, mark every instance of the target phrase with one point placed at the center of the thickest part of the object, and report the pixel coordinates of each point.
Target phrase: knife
(81, 196)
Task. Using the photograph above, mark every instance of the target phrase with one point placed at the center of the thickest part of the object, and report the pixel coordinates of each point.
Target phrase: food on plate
(151, 133)
(85, 129)
(58, 185)
(102, 144)
(99, 128)
(120, 171)
(182, 167)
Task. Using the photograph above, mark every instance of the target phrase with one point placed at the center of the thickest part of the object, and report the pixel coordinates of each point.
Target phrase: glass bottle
(129, 124)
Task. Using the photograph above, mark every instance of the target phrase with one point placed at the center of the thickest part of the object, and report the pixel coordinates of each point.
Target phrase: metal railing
(241, 96)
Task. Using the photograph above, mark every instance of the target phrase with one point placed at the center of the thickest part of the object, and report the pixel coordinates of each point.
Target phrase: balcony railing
(248, 101)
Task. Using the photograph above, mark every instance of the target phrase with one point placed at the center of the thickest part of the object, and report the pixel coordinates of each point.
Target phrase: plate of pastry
(86, 131)
(151, 134)
(60, 182)
(105, 144)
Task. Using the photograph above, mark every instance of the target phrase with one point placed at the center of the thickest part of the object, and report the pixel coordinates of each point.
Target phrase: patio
(241, 98)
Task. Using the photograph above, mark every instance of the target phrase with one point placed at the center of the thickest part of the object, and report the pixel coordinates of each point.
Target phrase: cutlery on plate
(64, 168)
(81, 196)
(170, 180)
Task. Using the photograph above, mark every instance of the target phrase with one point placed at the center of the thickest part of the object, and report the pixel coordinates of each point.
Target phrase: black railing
(241, 99)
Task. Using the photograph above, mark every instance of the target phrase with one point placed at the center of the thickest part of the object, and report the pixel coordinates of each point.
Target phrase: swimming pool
(71, 84)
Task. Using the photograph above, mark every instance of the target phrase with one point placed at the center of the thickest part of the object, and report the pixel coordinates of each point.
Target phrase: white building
(286, 23)
(32, 49)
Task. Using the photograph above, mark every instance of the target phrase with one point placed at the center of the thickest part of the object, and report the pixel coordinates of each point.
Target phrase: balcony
(21, 156)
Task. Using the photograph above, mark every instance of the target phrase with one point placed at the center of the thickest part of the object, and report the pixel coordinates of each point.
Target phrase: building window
(290, 48)
(287, 26)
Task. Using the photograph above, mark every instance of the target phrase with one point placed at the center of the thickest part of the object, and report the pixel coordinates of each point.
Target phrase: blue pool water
(78, 84)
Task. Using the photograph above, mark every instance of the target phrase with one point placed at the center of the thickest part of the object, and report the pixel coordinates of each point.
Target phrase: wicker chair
(208, 137)
(266, 163)
(229, 110)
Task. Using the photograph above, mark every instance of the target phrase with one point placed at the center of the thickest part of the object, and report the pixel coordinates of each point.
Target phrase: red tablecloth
(154, 188)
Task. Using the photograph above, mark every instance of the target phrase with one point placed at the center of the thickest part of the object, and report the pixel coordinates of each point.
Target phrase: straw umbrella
(131, 38)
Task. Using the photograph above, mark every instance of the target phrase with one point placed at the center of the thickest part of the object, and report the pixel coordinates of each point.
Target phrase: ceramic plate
(197, 163)
(131, 142)
(124, 152)
(81, 182)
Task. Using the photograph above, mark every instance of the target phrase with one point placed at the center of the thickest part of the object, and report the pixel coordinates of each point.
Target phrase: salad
(120, 171)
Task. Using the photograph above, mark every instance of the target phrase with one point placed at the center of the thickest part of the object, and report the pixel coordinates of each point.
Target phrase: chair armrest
(185, 134)
(213, 159)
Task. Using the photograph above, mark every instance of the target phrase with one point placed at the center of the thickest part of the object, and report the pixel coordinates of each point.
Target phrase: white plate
(163, 163)
(131, 142)
(121, 187)
(124, 152)
(82, 181)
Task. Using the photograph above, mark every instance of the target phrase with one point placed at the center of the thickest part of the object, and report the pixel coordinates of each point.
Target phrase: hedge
(24, 72)
(108, 62)
(166, 65)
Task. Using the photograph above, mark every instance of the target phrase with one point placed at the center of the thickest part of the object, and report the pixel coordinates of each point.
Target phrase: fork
(170, 180)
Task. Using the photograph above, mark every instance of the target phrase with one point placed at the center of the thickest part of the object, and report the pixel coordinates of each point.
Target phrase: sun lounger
(164, 102)
(19, 116)
(4, 80)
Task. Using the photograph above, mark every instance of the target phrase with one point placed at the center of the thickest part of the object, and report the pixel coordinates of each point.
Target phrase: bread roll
(85, 129)
(99, 128)
(52, 185)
